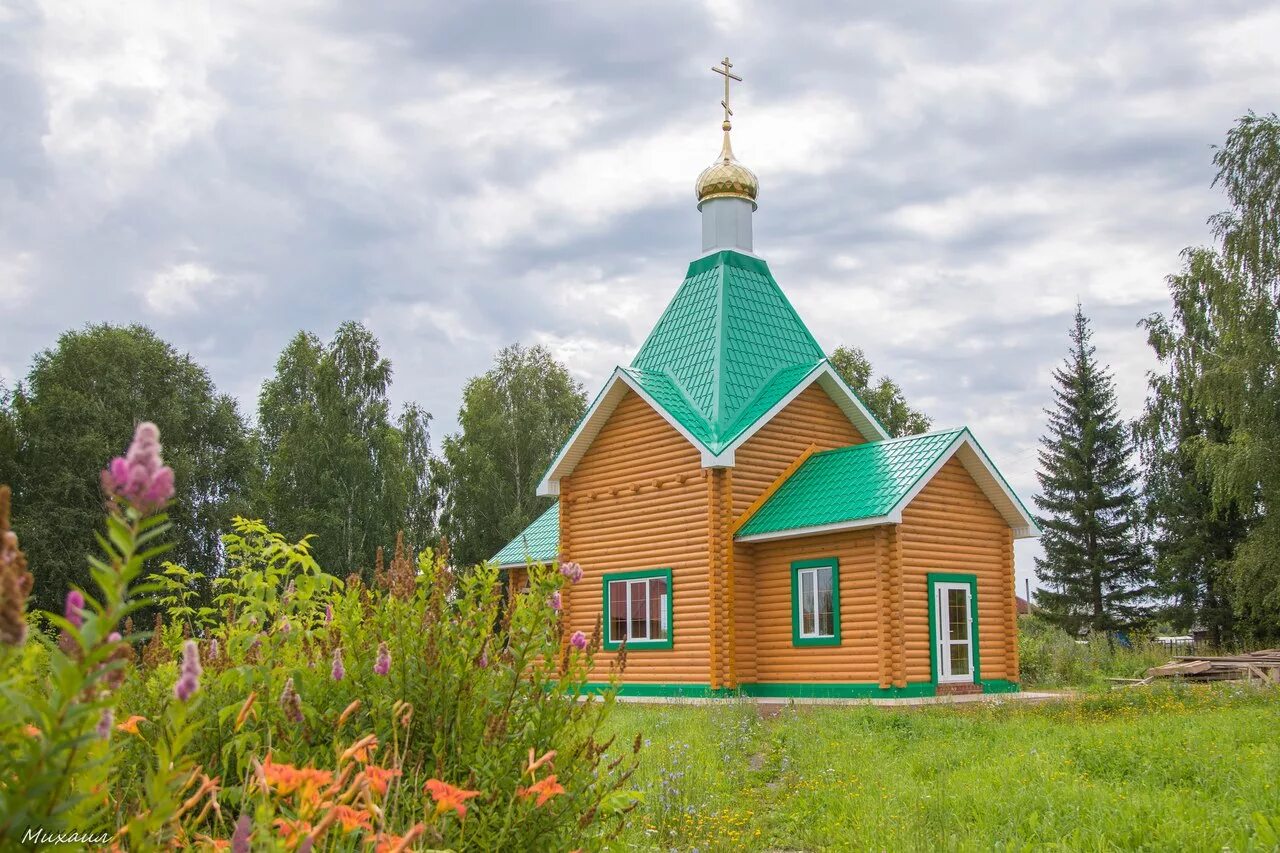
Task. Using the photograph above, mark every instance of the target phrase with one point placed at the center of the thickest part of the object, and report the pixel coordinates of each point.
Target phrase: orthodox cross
(723, 68)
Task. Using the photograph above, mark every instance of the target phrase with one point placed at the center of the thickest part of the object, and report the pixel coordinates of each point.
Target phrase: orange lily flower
(379, 778)
(292, 831)
(360, 749)
(286, 778)
(32, 731)
(448, 797)
(545, 789)
(388, 843)
(352, 819)
(131, 725)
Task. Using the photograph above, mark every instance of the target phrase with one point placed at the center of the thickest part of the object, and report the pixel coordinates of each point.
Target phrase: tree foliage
(333, 462)
(1093, 566)
(513, 421)
(79, 405)
(883, 397)
(1224, 345)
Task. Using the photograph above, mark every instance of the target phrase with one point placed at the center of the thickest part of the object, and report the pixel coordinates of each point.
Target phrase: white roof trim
(975, 461)
(609, 397)
(593, 421)
(841, 394)
(834, 527)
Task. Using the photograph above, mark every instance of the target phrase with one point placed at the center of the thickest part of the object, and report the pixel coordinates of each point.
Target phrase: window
(815, 602)
(637, 607)
(953, 627)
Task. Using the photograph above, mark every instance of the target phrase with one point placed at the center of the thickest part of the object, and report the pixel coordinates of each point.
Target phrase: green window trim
(612, 645)
(832, 563)
(935, 578)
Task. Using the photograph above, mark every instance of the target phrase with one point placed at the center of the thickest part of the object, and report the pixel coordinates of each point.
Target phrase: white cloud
(186, 287)
(16, 272)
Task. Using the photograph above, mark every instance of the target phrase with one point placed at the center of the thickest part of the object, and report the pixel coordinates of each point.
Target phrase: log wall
(952, 527)
(858, 657)
(638, 500)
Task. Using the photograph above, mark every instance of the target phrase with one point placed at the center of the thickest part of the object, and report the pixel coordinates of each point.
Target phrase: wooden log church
(747, 527)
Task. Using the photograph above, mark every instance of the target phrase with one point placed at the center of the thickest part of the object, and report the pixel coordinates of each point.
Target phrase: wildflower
(285, 627)
(352, 819)
(292, 831)
(348, 711)
(534, 764)
(130, 726)
(448, 797)
(572, 571)
(328, 614)
(382, 665)
(213, 650)
(388, 843)
(578, 640)
(140, 478)
(285, 778)
(484, 659)
(74, 610)
(245, 709)
(544, 789)
(104, 723)
(15, 580)
(32, 731)
(360, 749)
(240, 838)
(379, 778)
(189, 679)
(555, 601)
(291, 702)
(338, 672)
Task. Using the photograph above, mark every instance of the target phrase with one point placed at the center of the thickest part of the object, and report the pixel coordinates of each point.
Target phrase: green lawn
(1160, 768)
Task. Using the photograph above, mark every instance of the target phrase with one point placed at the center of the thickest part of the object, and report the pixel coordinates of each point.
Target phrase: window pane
(617, 611)
(639, 610)
(657, 608)
(806, 603)
(957, 613)
(959, 659)
(826, 622)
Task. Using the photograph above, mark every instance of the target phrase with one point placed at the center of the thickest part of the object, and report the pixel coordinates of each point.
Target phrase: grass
(1157, 768)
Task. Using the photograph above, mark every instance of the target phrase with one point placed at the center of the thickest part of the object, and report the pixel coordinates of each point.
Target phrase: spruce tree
(1093, 565)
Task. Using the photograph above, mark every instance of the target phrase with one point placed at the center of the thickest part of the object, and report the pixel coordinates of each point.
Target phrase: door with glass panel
(955, 631)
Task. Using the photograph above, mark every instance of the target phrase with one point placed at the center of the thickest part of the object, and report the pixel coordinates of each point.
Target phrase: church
(745, 524)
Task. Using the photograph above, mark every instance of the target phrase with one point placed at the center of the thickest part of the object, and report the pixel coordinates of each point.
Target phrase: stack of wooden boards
(1262, 666)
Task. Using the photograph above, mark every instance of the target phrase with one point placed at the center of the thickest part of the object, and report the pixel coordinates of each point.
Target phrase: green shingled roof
(539, 543)
(727, 349)
(850, 483)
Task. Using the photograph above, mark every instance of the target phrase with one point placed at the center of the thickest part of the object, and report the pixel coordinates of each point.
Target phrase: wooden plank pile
(1262, 666)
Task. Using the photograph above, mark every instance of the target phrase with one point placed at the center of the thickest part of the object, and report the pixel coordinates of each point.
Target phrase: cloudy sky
(939, 182)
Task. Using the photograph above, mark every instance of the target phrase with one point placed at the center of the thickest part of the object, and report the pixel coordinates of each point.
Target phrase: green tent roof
(850, 483)
(726, 350)
(538, 543)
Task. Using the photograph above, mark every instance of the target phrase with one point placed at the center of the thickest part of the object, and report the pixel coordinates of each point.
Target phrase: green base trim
(1000, 685)
(789, 690)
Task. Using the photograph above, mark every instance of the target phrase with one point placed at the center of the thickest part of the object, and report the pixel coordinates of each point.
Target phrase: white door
(955, 632)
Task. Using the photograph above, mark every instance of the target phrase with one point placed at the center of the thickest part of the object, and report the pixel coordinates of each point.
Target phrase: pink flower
(578, 640)
(75, 608)
(555, 601)
(240, 838)
(484, 660)
(140, 478)
(572, 571)
(104, 723)
(383, 664)
(338, 672)
(189, 679)
(328, 614)
(291, 702)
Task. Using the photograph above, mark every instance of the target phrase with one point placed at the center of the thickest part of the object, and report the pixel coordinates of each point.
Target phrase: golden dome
(727, 178)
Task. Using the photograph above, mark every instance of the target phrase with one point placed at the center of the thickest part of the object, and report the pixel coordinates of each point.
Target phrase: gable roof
(726, 355)
(872, 483)
(538, 543)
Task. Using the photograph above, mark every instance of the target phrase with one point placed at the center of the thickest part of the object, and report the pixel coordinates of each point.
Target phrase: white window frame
(944, 641)
(628, 584)
(815, 634)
